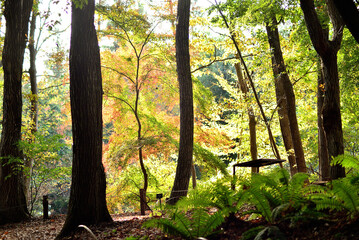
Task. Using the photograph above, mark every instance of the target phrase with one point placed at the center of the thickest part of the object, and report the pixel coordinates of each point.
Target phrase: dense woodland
(130, 106)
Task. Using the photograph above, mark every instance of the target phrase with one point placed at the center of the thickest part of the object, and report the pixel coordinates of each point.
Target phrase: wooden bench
(256, 164)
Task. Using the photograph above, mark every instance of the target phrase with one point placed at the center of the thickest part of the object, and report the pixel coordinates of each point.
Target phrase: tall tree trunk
(185, 155)
(13, 206)
(286, 101)
(88, 189)
(350, 14)
(327, 50)
(331, 113)
(33, 99)
(252, 119)
(324, 167)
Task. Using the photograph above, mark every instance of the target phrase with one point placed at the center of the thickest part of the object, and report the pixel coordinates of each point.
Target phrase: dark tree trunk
(286, 102)
(88, 189)
(324, 167)
(13, 206)
(350, 14)
(252, 119)
(331, 115)
(327, 50)
(185, 155)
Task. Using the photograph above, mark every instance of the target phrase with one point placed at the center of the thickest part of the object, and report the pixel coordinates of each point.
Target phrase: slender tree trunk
(252, 119)
(88, 189)
(270, 134)
(327, 50)
(13, 206)
(139, 131)
(194, 177)
(29, 162)
(286, 102)
(185, 155)
(172, 13)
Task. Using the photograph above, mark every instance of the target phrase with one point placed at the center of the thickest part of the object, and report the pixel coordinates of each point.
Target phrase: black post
(159, 196)
(143, 201)
(234, 177)
(45, 204)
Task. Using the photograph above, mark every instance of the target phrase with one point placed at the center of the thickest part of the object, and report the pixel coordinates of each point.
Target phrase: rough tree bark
(13, 206)
(327, 50)
(88, 189)
(324, 166)
(286, 102)
(185, 155)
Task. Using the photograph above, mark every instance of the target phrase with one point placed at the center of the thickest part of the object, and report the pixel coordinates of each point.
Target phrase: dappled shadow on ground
(130, 225)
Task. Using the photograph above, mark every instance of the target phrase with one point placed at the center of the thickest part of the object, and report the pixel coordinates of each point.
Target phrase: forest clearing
(179, 119)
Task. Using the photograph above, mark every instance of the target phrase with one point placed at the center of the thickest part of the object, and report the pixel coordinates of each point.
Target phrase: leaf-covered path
(123, 226)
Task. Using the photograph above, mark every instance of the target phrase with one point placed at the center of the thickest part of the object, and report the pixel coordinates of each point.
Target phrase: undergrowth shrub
(201, 213)
(341, 194)
(278, 198)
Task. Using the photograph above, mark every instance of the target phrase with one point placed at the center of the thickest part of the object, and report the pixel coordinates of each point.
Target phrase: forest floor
(130, 225)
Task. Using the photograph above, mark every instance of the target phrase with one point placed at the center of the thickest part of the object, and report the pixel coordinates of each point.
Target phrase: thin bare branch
(122, 100)
(120, 73)
(54, 86)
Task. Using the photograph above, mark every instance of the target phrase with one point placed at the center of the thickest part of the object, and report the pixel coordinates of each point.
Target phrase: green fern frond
(298, 181)
(210, 158)
(283, 176)
(204, 223)
(326, 201)
(348, 194)
(273, 186)
(168, 226)
(196, 223)
(195, 199)
(224, 198)
(315, 189)
(346, 161)
(272, 197)
(183, 223)
(214, 221)
(261, 202)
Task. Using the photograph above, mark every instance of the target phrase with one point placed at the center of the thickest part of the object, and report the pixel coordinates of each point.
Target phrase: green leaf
(80, 3)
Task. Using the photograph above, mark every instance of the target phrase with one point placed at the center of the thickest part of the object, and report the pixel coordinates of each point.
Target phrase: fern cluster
(341, 194)
(201, 213)
(277, 193)
(277, 197)
(198, 223)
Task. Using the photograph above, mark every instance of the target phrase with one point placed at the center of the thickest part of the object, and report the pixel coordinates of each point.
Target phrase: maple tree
(137, 107)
